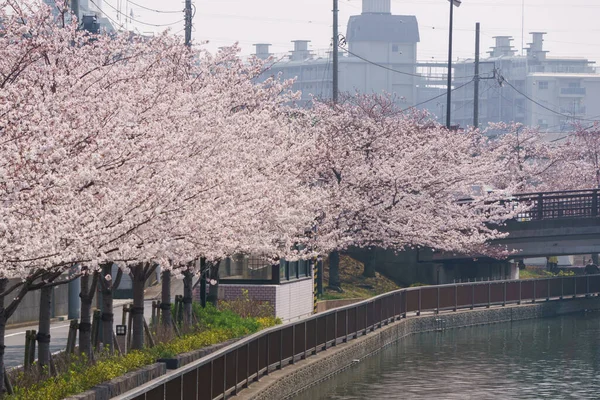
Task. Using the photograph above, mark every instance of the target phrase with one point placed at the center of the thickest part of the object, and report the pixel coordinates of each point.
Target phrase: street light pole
(449, 94)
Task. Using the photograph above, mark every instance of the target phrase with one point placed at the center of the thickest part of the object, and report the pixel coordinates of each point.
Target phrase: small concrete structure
(288, 287)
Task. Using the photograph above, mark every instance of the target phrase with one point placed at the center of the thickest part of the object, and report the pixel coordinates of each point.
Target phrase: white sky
(572, 25)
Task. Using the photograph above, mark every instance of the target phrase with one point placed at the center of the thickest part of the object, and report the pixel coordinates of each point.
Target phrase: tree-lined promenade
(141, 151)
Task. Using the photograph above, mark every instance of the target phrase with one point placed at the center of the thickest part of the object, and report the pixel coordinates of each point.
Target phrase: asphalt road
(15, 338)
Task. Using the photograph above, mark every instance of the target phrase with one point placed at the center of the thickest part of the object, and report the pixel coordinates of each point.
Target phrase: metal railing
(554, 205)
(226, 372)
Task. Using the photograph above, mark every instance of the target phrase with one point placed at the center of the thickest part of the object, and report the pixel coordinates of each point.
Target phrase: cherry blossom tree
(393, 180)
(523, 160)
(579, 159)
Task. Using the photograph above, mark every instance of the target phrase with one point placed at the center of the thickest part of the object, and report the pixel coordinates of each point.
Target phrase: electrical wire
(156, 11)
(379, 65)
(543, 106)
(437, 97)
(135, 20)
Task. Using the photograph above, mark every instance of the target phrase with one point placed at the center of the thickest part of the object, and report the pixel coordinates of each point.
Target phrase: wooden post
(27, 349)
(117, 345)
(32, 339)
(7, 384)
(73, 327)
(96, 329)
(129, 328)
(149, 334)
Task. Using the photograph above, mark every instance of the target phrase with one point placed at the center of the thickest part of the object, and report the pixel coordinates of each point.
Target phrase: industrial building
(379, 55)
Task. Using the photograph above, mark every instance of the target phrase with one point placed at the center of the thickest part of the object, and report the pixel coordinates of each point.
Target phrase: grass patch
(354, 284)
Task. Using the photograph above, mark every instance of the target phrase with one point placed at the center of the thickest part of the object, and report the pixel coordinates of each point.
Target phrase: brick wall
(266, 293)
(291, 301)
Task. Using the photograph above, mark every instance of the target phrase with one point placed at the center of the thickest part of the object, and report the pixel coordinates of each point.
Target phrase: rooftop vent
(376, 7)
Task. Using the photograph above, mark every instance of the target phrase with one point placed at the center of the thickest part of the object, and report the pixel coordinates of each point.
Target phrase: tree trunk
(3, 318)
(107, 309)
(213, 291)
(369, 271)
(334, 271)
(138, 279)
(85, 318)
(188, 282)
(43, 335)
(165, 302)
(6, 312)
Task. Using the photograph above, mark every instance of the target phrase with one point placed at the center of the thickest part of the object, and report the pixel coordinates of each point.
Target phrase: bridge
(556, 223)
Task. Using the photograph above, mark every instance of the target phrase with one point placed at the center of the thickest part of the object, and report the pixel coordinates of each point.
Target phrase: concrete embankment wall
(289, 381)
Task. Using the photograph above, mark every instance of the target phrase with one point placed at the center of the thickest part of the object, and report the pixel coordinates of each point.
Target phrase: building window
(395, 48)
(543, 85)
(543, 124)
(574, 84)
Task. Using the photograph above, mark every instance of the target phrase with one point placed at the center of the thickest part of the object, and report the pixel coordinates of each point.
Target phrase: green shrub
(214, 327)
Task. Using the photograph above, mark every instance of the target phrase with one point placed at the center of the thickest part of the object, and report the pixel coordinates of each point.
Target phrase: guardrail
(226, 372)
(555, 205)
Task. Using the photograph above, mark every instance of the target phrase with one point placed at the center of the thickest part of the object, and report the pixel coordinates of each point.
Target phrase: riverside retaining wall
(291, 380)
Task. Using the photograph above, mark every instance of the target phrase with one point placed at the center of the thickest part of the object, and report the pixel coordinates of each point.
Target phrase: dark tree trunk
(188, 283)
(138, 280)
(334, 271)
(85, 317)
(5, 313)
(203, 273)
(108, 288)
(213, 291)
(165, 302)
(43, 336)
(369, 271)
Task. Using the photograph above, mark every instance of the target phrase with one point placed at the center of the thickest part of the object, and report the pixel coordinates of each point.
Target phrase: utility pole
(188, 22)
(335, 52)
(476, 82)
(449, 88)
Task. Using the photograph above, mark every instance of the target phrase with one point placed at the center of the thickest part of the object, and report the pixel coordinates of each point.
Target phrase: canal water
(556, 358)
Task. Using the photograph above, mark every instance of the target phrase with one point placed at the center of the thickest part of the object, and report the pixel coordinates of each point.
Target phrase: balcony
(573, 91)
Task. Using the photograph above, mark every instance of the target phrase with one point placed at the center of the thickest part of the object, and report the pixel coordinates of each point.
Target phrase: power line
(543, 106)
(380, 65)
(135, 20)
(437, 97)
(156, 11)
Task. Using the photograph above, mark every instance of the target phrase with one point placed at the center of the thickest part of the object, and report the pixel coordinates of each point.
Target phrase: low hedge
(215, 327)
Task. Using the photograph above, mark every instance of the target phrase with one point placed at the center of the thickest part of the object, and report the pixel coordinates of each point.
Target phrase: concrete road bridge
(555, 223)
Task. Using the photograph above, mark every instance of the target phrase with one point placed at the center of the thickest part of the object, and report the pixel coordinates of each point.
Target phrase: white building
(377, 43)
(549, 92)
(90, 15)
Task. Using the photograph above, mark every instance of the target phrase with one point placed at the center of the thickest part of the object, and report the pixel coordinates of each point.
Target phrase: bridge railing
(226, 372)
(554, 205)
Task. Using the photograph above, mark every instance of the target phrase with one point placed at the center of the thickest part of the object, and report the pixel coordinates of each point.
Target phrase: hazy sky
(572, 25)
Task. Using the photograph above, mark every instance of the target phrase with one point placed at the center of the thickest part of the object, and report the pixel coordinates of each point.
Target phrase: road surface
(15, 338)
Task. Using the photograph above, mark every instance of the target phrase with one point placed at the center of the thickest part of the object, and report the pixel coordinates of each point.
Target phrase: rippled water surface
(555, 358)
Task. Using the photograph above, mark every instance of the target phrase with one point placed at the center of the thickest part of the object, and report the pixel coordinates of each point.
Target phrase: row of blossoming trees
(143, 152)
